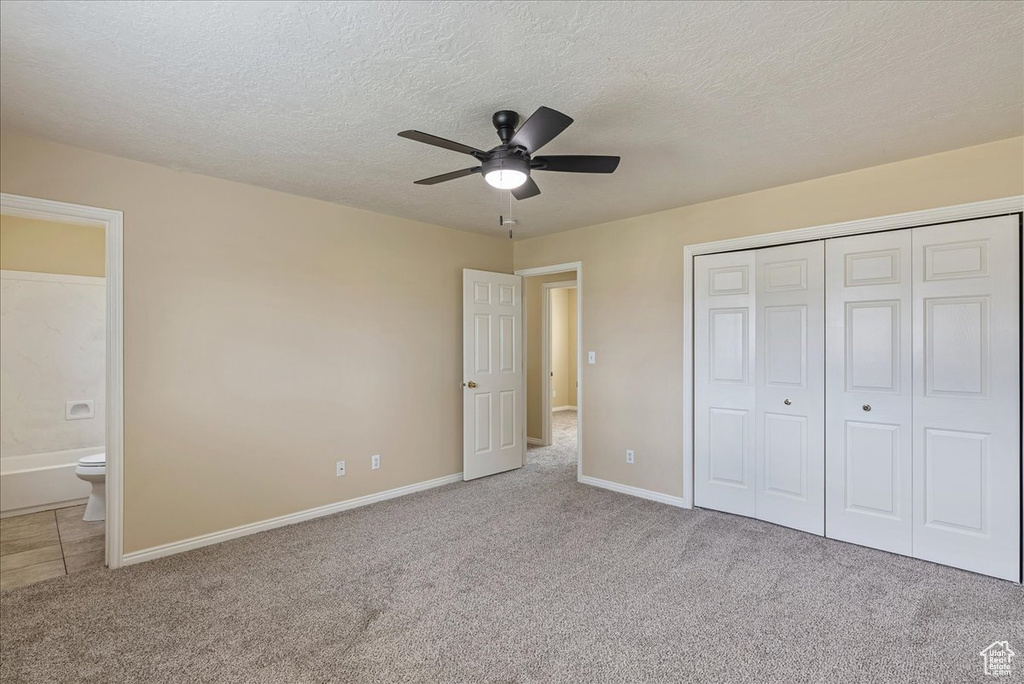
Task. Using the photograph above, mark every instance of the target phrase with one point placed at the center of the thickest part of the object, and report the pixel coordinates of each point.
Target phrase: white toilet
(93, 469)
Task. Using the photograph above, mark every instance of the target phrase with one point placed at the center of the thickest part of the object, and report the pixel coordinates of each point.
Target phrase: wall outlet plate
(629, 455)
(375, 461)
(341, 469)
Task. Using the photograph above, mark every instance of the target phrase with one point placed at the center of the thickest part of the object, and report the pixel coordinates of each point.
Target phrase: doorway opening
(62, 405)
(52, 332)
(558, 361)
(553, 306)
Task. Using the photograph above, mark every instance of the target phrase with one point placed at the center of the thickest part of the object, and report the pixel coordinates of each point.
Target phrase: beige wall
(266, 337)
(633, 396)
(534, 371)
(48, 247)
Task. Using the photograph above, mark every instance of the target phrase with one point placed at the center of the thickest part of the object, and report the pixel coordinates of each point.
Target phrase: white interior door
(967, 504)
(790, 441)
(493, 403)
(724, 382)
(869, 390)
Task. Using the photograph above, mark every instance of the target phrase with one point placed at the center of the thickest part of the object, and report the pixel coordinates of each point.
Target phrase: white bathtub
(37, 482)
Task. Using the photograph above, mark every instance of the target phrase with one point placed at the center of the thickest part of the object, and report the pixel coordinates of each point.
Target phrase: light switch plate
(591, 357)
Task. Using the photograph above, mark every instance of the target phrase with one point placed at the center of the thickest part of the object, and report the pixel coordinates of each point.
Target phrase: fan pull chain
(502, 221)
(501, 217)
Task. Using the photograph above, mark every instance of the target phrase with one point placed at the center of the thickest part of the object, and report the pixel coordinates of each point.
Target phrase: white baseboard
(634, 491)
(280, 521)
(534, 440)
(556, 409)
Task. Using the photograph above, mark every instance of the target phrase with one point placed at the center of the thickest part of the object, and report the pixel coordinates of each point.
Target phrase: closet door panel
(869, 390)
(789, 358)
(724, 382)
(967, 504)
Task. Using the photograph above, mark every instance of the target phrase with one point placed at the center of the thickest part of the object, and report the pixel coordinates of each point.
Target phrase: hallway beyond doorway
(562, 451)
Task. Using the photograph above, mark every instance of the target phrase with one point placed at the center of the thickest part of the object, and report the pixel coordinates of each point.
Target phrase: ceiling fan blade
(526, 190)
(540, 129)
(434, 180)
(577, 163)
(441, 142)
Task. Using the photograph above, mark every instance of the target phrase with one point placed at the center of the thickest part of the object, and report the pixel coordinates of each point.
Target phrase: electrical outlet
(375, 461)
(629, 455)
(340, 469)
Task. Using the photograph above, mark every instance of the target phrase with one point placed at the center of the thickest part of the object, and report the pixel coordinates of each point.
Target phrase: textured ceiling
(701, 100)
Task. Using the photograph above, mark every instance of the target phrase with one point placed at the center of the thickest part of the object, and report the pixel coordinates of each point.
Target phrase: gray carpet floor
(526, 576)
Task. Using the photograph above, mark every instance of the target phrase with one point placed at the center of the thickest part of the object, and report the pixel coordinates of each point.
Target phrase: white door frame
(112, 222)
(545, 353)
(576, 266)
(960, 212)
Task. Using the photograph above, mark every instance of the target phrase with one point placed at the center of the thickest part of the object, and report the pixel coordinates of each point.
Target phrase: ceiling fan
(509, 165)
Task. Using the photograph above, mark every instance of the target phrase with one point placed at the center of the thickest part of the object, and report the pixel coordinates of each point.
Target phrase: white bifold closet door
(758, 416)
(923, 393)
(724, 382)
(869, 390)
(789, 416)
(966, 463)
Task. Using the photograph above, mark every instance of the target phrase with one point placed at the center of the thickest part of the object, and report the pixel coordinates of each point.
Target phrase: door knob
(470, 384)
(787, 402)
(866, 407)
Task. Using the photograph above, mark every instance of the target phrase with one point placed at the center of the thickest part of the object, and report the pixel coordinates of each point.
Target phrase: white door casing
(493, 379)
(967, 395)
(112, 221)
(789, 372)
(724, 382)
(869, 390)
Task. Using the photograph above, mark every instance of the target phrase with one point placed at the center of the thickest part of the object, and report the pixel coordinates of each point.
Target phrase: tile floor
(48, 544)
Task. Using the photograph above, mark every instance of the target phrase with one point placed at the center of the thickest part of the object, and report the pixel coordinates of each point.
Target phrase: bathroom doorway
(60, 393)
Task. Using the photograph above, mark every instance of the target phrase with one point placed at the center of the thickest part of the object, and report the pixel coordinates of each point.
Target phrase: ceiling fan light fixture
(506, 170)
(510, 165)
(505, 179)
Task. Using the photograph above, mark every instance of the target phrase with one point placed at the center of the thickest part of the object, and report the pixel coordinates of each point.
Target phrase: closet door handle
(787, 402)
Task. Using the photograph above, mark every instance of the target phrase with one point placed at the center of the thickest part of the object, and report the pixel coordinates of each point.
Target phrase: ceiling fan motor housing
(515, 159)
